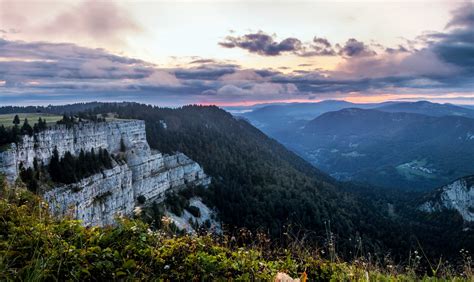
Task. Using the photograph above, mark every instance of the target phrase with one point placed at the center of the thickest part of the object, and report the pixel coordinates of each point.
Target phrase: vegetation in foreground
(36, 246)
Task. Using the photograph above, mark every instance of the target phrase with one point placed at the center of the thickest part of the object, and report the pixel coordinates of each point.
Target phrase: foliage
(35, 246)
(194, 211)
(70, 169)
(260, 185)
(13, 134)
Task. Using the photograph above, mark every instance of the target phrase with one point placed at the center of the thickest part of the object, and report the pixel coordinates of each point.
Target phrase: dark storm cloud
(266, 45)
(262, 44)
(354, 48)
(456, 45)
(463, 16)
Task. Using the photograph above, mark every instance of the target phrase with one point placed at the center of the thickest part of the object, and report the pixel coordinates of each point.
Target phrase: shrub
(194, 211)
(141, 199)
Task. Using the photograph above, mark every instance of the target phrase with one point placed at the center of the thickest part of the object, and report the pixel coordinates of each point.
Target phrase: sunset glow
(235, 53)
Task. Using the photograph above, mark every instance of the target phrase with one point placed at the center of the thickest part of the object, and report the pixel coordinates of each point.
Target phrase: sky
(230, 53)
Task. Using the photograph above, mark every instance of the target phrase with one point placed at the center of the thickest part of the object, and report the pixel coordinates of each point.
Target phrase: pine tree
(81, 164)
(123, 148)
(67, 166)
(53, 167)
(107, 159)
(16, 120)
(26, 128)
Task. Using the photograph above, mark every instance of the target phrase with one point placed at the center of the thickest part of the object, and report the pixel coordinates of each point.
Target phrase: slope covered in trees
(34, 246)
(260, 185)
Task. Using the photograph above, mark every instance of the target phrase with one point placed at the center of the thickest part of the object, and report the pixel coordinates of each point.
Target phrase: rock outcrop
(98, 199)
(458, 196)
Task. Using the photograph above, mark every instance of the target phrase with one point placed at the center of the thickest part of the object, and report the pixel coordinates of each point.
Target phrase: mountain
(260, 186)
(457, 196)
(281, 120)
(428, 108)
(400, 150)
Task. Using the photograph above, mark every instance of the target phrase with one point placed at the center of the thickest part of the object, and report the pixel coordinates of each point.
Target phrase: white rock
(98, 199)
(458, 196)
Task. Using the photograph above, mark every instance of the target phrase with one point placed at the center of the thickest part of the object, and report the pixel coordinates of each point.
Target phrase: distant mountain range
(273, 118)
(428, 108)
(411, 145)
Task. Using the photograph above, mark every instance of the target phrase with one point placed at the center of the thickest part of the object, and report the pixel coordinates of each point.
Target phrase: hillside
(428, 108)
(259, 185)
(457, 196)
(280, 120)
(36, 247)
(398, 150)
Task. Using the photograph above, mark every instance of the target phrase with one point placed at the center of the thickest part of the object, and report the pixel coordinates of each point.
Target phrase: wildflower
(166, 267)
(166, 220)
(137, 211)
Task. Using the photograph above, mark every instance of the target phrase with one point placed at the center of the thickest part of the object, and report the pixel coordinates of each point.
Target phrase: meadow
(7, 119)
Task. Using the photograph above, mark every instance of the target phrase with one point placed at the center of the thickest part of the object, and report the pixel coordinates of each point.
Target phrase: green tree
(26, 128)
(123, 148)
(16, 120)
(53, 168)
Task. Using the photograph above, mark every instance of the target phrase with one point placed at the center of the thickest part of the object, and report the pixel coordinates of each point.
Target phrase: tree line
(70, 169)
(13, 134)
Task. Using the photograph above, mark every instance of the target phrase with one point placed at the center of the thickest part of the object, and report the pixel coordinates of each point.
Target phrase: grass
(7, 119)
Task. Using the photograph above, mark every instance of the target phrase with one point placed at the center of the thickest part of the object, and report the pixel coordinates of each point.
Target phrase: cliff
(97, 199)
(458, 196)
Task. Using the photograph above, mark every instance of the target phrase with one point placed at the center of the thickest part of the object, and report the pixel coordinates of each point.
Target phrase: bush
(141, 199)
(194, 211)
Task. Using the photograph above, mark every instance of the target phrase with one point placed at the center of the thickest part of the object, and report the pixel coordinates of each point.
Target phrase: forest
(260, 185)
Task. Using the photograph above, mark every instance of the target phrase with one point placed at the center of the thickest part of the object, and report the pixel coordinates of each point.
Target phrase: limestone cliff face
(458, 196)
(98, 199)
(95, 200)
(85, 136)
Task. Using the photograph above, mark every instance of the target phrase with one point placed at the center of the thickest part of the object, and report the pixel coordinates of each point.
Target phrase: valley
(398, 145)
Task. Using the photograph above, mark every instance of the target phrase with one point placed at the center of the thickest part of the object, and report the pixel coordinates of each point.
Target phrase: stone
(458, 196)
(97, 200)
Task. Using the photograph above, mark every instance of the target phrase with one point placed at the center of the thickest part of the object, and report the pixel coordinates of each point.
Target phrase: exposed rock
(206, 214)
(98, 199)
(458, 196)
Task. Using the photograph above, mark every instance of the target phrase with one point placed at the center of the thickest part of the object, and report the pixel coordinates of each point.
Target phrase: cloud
(203, 61)
(463, 16)
(162, 78)
(240, 76)
(266, 45)
(319, 47)
(52, 65)
(446, 59)
(103, 22)
(259, 90)
(262, 44)
(442, 62)
(355, 48)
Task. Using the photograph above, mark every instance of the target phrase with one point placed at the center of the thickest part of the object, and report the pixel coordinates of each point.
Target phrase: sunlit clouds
(235, 53)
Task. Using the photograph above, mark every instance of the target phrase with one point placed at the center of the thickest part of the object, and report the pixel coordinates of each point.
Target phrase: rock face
(98, 199)
(458, 196)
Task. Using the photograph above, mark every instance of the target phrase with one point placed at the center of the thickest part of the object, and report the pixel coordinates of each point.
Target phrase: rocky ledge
(458, 196)
(100, 198)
